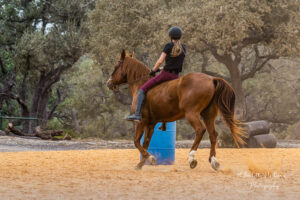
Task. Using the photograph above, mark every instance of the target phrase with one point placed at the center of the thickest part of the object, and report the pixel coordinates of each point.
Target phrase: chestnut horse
(192, 96)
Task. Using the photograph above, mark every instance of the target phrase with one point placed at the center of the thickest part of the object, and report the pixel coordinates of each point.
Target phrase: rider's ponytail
(177, 48)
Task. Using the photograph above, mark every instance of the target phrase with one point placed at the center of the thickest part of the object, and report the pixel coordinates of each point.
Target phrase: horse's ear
(123, 54)
(132, 54)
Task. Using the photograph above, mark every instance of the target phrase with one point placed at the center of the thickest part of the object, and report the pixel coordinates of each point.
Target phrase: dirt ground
(109, 174)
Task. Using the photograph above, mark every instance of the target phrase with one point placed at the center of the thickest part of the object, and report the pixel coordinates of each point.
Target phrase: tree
(43, 39)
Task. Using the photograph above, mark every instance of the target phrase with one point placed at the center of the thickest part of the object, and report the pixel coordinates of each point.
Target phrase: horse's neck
(136, 76)
(134, 87)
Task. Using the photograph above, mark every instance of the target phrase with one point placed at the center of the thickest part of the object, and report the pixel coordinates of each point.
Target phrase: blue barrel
(162, 144)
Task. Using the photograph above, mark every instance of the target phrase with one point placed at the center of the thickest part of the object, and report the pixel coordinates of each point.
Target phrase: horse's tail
(225, 99)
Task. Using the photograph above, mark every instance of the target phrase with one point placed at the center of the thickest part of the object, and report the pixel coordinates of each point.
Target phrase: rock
(2, 133)
(262, 141)
(257, 128)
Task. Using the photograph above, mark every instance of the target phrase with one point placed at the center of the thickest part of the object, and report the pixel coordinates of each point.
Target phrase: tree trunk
(25, 111)
(232, 64)
(38, 109)
(76, 121)
(236, 82)
(38, 105)
(42, 113)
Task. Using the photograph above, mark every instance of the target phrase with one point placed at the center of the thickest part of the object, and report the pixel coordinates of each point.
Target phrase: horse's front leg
(139, 129)
(149, 130)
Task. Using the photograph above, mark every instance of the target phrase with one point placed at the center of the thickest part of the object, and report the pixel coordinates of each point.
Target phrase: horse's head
(119, 75)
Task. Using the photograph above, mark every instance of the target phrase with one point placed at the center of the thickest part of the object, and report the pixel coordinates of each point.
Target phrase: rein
(142, 78)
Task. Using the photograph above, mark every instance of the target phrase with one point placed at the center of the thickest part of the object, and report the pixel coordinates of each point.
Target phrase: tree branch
(58, 100)
(237, 54)
(54, 75)
(225, 59)
(205, 59)
(17, 98)
(256, 38)
(256, 66)
(2, 67)
(204, 65)
(23, 86)
(212, 49)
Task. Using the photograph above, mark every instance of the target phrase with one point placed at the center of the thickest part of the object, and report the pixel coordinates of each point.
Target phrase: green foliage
(47, 51)
(54, 124)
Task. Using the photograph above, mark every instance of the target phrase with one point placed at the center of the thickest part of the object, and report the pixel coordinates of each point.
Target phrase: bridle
(120, 63)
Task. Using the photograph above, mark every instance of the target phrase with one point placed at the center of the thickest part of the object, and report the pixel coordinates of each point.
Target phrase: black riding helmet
(175, 33)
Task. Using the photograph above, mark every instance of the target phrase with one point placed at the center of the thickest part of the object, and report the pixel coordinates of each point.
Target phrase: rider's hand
(152, 73)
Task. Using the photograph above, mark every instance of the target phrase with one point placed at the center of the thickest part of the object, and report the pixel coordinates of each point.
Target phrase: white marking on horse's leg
(214, 163)
(193, 162)
(192, 155)
(151, 159)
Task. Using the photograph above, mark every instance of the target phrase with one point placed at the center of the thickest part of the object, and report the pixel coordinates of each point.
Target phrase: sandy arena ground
(109, 174)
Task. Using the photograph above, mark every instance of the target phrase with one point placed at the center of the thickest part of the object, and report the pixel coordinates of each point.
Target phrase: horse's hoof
(138, 166)
(193, 164)
(214, 163)
(152, 160)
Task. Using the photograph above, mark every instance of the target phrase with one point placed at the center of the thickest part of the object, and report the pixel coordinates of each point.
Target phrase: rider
(173, 53)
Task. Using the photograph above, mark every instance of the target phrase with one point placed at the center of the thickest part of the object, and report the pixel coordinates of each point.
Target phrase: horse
(192, 96)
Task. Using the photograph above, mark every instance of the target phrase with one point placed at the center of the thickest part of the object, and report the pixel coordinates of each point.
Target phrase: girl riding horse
(196, 97)
(173, 53)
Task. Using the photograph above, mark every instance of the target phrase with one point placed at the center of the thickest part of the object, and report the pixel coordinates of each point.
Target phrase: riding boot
(137, 116)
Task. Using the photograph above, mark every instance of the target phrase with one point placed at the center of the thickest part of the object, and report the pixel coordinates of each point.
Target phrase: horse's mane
(135, 69)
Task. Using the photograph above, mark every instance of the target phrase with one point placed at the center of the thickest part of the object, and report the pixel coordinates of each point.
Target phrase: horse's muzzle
(110, 84)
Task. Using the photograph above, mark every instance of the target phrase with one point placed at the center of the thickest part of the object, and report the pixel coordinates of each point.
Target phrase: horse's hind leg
(148, 135)
(139, 129)
(209, 116)
(195, 121)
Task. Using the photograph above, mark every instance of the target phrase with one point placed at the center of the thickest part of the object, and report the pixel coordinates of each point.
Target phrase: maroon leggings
(162, 77)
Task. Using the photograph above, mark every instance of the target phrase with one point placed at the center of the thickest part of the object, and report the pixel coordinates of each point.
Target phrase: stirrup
(134, 117)
(163, 126)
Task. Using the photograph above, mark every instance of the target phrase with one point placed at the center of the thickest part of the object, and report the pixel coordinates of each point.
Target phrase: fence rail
(21, 118)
